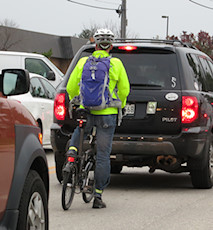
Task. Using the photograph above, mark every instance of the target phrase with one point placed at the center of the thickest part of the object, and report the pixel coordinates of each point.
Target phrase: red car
(24, 180)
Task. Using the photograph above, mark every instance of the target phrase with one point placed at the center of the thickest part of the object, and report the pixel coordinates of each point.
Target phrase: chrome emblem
(169, 119)
(171, 96)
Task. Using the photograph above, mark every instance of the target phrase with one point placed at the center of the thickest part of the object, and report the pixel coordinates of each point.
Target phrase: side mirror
(15, 81)
(51, 75)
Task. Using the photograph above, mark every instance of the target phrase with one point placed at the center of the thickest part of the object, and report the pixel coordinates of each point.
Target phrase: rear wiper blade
(146, 85)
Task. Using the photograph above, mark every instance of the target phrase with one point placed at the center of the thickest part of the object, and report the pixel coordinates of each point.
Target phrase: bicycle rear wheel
(68, 189)
(89, 188)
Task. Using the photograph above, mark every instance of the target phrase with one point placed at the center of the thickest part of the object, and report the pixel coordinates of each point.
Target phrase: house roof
(13, 39)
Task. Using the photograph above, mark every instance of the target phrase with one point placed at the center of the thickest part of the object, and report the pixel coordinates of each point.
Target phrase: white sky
(64, 18)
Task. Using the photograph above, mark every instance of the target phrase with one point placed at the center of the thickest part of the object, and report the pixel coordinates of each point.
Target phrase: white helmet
(104, 38)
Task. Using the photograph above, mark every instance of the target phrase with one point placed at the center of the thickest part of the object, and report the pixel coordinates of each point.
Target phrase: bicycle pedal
(88, 189)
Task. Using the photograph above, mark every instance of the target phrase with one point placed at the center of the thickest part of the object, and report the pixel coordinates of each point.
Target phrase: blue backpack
(94, 85)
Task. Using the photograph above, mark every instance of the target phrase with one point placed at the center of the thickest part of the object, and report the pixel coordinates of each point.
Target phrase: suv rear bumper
(188, 143)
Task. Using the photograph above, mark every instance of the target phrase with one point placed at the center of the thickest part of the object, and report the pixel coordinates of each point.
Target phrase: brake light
(59, 106)
(127, 48)
(189, 111)
(71, 159)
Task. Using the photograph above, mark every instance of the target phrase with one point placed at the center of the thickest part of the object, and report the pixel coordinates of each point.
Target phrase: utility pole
(122, 12)
(123, 19)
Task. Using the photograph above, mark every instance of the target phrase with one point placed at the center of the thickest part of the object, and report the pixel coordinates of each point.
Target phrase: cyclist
(104, 120)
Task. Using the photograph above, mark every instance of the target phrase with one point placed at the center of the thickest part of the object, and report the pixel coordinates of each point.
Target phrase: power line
(201, 5)
(97, 7)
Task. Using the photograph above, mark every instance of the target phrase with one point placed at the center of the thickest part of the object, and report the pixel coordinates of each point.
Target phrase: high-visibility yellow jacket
(117, 76)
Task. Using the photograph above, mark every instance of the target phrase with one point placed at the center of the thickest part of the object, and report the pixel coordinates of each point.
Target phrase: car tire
(203, 178)
(116, 168)
(59, 162)
(33, 207)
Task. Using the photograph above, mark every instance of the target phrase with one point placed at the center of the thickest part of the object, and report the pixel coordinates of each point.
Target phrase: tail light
(59, 106)
(189, 111)
(71, 159)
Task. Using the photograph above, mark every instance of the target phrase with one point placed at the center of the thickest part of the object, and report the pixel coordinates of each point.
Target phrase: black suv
(167, 122)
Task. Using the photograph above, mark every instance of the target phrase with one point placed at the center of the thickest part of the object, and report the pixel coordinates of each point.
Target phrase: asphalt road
(136, 200)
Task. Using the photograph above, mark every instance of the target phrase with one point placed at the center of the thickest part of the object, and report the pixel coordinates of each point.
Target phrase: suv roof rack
(163, 41)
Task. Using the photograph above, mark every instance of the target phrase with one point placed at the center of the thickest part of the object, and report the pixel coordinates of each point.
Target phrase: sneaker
(98, 203)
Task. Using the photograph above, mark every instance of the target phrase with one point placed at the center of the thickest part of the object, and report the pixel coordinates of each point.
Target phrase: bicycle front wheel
(89, 188)
(68, 189)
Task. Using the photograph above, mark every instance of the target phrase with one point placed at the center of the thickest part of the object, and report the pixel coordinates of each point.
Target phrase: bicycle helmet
(104, 38)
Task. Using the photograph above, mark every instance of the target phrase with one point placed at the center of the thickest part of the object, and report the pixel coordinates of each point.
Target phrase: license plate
(130, 109)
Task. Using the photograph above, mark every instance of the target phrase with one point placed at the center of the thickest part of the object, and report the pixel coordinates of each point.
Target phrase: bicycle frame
(78, 167)
(82, 156)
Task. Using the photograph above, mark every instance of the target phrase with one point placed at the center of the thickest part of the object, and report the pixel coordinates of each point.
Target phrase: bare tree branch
(7, 35)
(88, 32)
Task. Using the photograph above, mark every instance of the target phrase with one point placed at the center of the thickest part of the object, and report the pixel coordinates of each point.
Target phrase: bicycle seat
(82, 113)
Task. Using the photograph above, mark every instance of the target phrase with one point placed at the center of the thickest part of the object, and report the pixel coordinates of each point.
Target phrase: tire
(203, 178)
(89, 181)
(59, 162)
(33, 207)
(68, 189)
(116, 168)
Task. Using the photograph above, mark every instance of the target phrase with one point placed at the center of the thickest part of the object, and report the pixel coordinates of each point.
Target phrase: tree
(88, 32)
(203, 41)
(7, 35)
(48, 54)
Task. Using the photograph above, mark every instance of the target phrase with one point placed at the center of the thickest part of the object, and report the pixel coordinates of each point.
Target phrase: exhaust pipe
(168, 163)
(166, 160)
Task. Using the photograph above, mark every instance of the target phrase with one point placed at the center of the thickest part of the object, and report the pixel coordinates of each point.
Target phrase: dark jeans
(105, 128)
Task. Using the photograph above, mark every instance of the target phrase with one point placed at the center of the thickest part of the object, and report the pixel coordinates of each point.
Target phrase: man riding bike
(104, 119)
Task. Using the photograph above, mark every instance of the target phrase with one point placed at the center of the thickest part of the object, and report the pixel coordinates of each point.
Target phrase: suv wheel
(33, 210)
(203, 178)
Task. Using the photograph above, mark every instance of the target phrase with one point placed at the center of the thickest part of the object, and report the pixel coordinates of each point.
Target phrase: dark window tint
(208, 74)
(149, 68)
(196, 70)
(37, 66)
(210, 65)
(36, 88)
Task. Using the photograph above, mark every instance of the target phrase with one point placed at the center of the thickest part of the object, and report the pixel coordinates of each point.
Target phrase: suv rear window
(149, 68)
